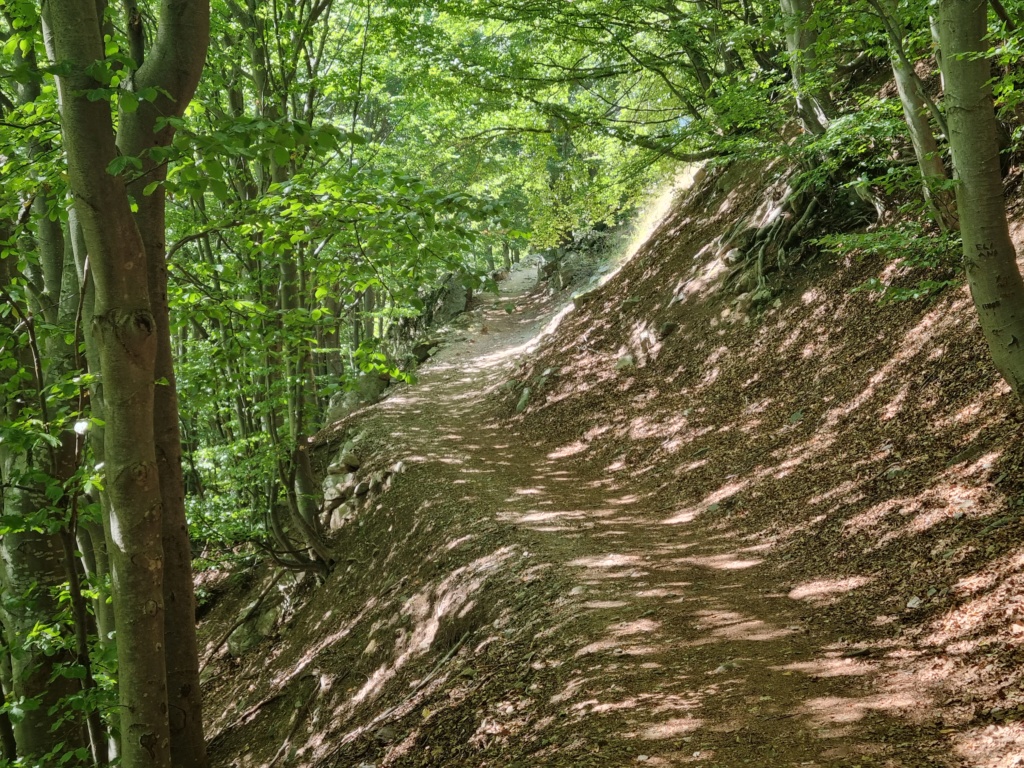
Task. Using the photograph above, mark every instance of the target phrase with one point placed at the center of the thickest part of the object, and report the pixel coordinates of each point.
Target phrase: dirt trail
(660, 646)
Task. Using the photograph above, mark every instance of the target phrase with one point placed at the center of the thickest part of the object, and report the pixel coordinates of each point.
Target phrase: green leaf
(128, 101)
(117, 165)
(219, 188)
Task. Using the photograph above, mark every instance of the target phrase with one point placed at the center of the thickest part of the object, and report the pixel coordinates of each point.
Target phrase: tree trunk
(8, 745)
(188, 745)
(989, 255)
(126, 338)
(31, 566)
(813, 103)
(916, 108)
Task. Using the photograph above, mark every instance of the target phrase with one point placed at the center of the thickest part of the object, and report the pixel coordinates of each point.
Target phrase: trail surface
(662, 645)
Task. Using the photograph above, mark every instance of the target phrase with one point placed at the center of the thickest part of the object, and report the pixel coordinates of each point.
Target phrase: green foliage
(915, 250)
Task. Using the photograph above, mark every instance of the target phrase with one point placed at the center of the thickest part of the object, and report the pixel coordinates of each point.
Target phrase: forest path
(664, 646)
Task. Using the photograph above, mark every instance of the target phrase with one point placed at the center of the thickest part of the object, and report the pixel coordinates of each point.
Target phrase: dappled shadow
(870, 453)
(784, 539)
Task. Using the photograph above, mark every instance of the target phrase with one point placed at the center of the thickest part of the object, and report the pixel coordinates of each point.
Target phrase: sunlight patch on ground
(829, 668)
(993, 746)
(671, 729)
(725, 562)
(426, 610)
(839, 710)
(735, 626)
(607, 561)
(826, 591)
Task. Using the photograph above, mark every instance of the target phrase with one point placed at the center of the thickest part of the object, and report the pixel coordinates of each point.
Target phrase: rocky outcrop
(351, 484)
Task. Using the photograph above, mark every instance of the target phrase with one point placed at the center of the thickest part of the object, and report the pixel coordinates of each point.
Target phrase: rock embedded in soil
(362, 489)
(333, 494)
(667, 329)
(340, 516)
(625, 363)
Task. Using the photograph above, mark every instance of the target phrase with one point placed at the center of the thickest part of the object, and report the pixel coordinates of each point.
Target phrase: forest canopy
(219, 219)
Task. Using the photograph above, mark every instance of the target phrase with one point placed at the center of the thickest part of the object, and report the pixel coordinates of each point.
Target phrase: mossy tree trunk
(813, 103)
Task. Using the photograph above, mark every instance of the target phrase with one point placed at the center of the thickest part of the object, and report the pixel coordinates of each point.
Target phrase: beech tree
(145, 531)
(990, 258)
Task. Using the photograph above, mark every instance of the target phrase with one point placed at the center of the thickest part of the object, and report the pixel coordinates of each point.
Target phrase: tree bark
(813, 103)
(126, 336)
(138, 134)
(989, 255)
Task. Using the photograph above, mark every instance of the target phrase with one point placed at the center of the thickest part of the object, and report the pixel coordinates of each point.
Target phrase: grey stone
(451, 300)
(733, 256)
(667, 329)
(350, 460)
(340, 516)
(362, 489)
(333, 495)
(242, 639)
(266, 623)
(421, 352)
(255, 628)
(367, 389)
(625, 363)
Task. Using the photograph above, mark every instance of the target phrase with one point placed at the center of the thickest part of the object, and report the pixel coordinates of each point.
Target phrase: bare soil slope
(791, 538)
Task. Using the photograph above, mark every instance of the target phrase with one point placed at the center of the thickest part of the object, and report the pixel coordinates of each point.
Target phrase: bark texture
(813, 102)
(125, 333)
(173, 65)
(989, 255)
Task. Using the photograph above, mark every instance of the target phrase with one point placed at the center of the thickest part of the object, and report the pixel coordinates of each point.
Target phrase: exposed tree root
(293, 725)
(753, 252)
(244, 618)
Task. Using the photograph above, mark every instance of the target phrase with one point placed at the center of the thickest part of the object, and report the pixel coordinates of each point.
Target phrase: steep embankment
(713, 537)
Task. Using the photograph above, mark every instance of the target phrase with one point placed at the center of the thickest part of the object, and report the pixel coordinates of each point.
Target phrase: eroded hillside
(720, 533)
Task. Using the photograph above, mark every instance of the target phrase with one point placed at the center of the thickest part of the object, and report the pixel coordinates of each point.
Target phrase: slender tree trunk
(369, 304)
(813, 103)
(916, 109)
(188, 745)
(989, 255)
(30, 568)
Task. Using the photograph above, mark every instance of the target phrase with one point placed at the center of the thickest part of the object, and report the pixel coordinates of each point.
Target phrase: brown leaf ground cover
(789, 538)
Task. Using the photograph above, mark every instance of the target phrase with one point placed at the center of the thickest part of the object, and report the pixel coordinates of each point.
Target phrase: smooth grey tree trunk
(916, 109)
(813, 103)
(126, 334)
(989, 255)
